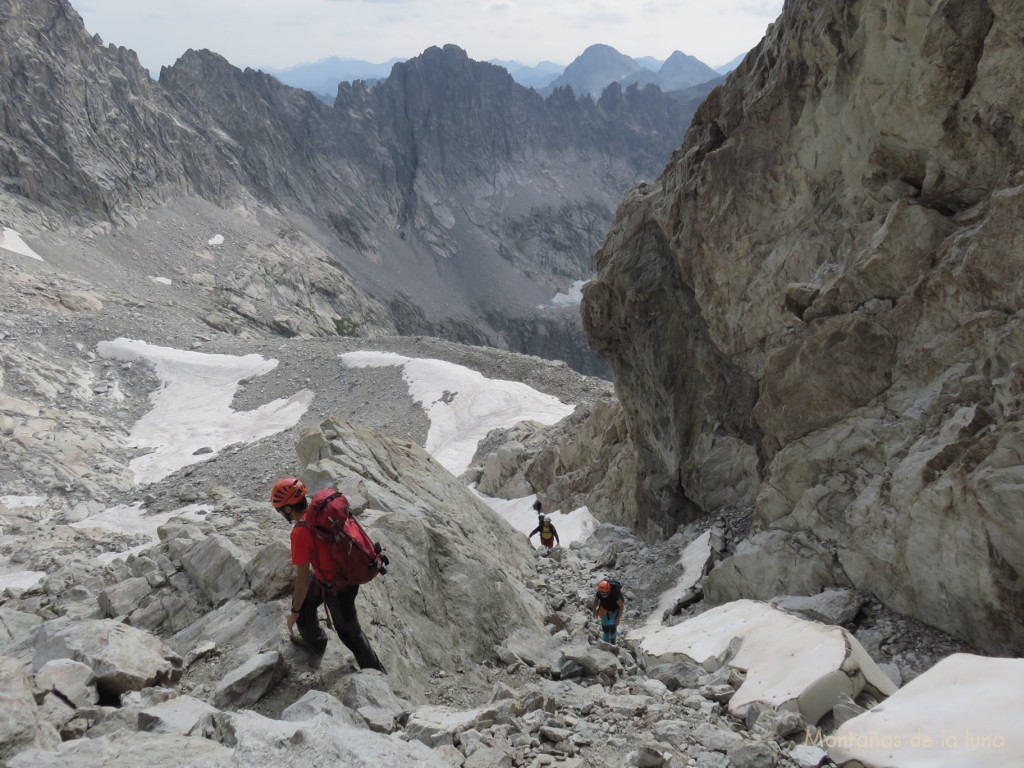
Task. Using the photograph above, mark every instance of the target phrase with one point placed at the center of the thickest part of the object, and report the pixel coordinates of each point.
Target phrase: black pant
(342, 607)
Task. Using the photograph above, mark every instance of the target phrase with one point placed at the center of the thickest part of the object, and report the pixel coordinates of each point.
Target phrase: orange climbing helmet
(288, 490)
(603, 587)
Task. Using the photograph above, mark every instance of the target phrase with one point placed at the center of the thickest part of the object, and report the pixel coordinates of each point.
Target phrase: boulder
(122, 658)
(22, 725)
(314, 703)
(424, 517)
(217, 565)
(179, 715)
(269, 572)
(124, 597)
(74, 681)
(127, 749)
(789, 663)
(319, 741)
(245, 685)
(831, 606)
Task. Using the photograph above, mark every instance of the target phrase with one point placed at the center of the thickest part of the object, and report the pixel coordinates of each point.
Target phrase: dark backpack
(341, 547)
(616, 586)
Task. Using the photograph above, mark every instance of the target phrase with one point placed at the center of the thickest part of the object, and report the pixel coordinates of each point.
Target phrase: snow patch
(790, 663)
(964, 711)
(462, 404)
(21, 579)
(216, 240)
(571, 299)
(191, 418)
(11, 241)
(161, 280)
(17, 502)
(130, 520)
(693, 562)
(520, 514)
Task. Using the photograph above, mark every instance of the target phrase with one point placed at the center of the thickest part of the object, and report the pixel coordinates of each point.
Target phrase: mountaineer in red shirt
(289, 498)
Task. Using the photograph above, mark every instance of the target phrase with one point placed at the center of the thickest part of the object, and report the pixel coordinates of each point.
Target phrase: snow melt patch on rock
(573, 298)
(964, 711)
(21, 579)
(463, 405)
(790, 663)
(11, 241)
(694, 563)
(132, 521)
(192, 418)
(19, 502)
(520, 514)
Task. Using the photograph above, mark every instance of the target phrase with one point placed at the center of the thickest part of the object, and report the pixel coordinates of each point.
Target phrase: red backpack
(342, 551)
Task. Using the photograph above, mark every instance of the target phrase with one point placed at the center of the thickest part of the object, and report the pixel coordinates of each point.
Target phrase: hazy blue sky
(281, 33)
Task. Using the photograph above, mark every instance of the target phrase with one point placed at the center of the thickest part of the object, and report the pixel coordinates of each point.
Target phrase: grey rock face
(122, 658)
(427, 209)
(244, 686)
(439, 536)
(819, 285)
(22, 726)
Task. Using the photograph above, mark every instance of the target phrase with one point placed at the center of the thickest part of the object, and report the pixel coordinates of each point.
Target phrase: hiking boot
(318, 645)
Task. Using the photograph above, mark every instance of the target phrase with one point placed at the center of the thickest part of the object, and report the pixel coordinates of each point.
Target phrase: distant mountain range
(601, 65)
(322, 77)
(591, 72)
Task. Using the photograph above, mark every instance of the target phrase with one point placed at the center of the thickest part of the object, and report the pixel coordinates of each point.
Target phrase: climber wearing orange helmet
(289, 498)
(608, 605)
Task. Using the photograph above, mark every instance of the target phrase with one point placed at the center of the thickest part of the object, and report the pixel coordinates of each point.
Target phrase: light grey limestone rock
(490, 757)
(437, 725)
(774, 563)
(846, 709)
(73, 680)
(535, 649)
(245, 685)
(677, 674)
(424, 516)
(315, 703)
(124, 597)
(22, 725)
(179, 715)
(128, 749)
(832, 606)
(320, 741)
(15, 625)
(594, 661)
(370, 695)
(752, 755)
(714, 738)
(269, 573)
(217, 565)
(122, 658)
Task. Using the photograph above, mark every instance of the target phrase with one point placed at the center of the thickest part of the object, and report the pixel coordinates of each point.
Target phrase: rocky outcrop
(822, 289)
(443, 541)
(474, 215)
(586, 460)
(86, 131)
